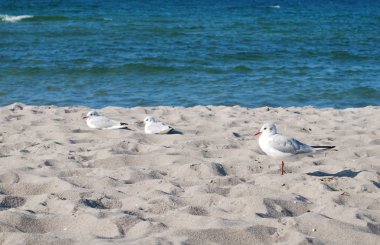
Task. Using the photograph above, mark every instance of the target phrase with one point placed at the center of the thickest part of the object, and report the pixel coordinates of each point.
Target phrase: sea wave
(15, 18)
(32, 18)
(49, 18)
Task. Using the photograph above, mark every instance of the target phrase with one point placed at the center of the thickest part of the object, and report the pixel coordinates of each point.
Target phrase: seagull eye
(265, 128)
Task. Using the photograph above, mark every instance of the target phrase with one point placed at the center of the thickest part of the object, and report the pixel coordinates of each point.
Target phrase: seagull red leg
(282, 167)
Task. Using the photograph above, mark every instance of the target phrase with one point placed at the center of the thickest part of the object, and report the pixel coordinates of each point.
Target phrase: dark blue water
(149, 53)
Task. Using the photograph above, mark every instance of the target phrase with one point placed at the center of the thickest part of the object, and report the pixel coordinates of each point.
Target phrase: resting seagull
(280, 146)
(153, 127)
(95, 120)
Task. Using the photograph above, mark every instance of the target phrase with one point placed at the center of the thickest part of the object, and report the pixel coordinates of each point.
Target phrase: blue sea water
(154, 52)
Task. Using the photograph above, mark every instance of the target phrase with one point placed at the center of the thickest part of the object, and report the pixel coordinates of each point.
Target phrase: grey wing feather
(290, 145)
(158, 127)
(104, 122)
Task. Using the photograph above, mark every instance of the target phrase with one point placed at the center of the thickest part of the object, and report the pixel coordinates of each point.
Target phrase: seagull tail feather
(322, 148)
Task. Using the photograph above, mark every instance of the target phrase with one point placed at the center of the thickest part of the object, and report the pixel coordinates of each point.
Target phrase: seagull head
(267, 129)
(91, 114)
(149, 119)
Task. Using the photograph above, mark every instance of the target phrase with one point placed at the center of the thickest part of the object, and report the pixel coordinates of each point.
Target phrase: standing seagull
(153, 127)
(279, 146)
(95, 120)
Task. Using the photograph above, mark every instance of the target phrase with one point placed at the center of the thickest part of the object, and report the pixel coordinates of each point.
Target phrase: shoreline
(64, 183)
(188, 107)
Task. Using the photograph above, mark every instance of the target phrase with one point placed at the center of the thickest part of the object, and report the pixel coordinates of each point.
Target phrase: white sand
(63, 183)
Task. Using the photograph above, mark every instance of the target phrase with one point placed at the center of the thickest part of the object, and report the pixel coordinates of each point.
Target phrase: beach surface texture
(206, 183)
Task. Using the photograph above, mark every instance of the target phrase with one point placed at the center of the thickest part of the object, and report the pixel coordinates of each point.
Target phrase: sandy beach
(208, 183)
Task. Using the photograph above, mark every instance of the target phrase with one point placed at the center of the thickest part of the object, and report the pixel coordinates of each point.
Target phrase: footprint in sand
(277, 208)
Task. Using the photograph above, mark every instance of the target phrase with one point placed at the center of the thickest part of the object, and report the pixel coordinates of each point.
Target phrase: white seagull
(95, 120)
(280, 146)
(153, 127)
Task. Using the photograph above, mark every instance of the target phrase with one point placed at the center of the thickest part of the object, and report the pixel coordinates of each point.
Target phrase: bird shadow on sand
(173, 131)
(126, 128)
(344, 173)
(377, 184)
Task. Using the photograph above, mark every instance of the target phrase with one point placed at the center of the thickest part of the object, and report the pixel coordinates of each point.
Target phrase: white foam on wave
(11, 18)
(275, 6)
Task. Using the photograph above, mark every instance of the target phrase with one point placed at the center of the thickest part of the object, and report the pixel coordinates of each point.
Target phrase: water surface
(150, 53)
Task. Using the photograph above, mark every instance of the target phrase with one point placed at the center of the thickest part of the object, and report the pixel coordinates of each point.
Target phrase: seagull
(95, 120)
(280, 146)
(153, 127)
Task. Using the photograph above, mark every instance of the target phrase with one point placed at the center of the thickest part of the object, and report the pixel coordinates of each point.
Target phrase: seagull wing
(289, 145)
(106, 123)
(159, 128)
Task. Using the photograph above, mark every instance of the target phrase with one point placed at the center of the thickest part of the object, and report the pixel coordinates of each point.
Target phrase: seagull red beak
(258, 133)
(85, 117)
